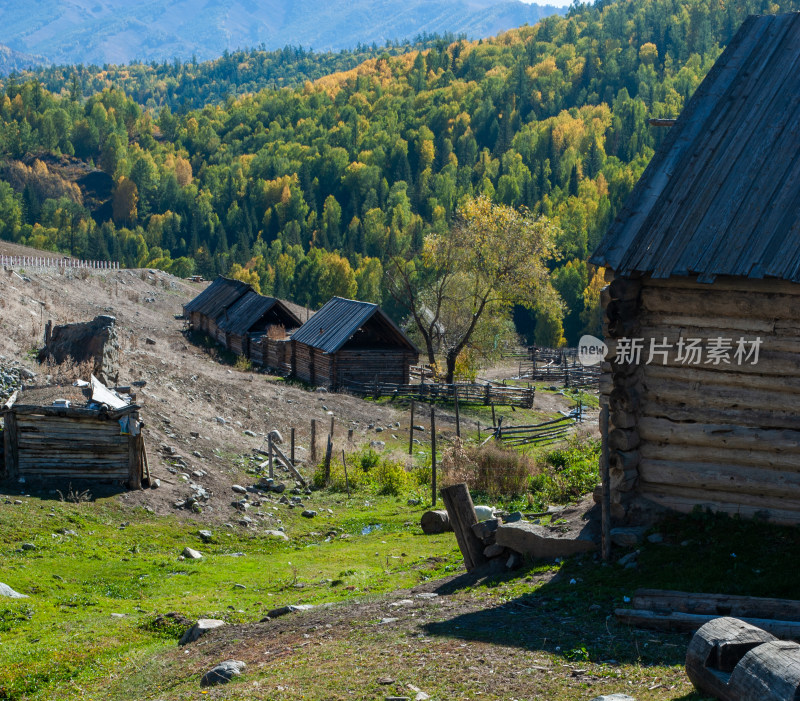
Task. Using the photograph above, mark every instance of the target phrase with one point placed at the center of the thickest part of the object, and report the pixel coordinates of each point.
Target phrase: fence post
(433, 455)
(292, 443)
(606, 484)
(458, 416)
(411, 431)
(269, 453)
(328, 452)
(494, 420)
(314, 442)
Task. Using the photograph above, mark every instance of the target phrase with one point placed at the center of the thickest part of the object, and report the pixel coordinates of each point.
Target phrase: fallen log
(679, 622)
(434, 522)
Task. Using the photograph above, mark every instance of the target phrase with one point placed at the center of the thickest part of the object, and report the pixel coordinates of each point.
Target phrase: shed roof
(339, 319)
(217, 297)
(250, 308)
(722, 194)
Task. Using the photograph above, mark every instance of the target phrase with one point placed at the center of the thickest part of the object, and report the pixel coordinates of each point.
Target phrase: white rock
(192, 554)
(6, 590)
(484, 512)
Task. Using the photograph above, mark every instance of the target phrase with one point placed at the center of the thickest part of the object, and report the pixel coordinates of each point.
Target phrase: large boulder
(537, 541)
(95, 341)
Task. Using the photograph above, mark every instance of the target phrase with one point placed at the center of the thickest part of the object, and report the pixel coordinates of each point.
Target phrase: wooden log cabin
(72, 439)
(704, 270)
(205, 311)
(350, 343)
(250, 318)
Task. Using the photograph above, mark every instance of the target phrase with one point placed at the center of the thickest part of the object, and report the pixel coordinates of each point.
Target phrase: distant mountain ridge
(120, 31)
(11, 61)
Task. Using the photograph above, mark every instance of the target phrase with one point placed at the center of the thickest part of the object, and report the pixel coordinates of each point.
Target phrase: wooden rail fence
(438, 392)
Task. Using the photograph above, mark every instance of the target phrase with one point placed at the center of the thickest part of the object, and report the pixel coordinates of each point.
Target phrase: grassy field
(544, 631)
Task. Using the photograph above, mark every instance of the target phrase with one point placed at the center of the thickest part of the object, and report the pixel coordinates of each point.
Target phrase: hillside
(312, 191)
(112, 31)
(14, 61)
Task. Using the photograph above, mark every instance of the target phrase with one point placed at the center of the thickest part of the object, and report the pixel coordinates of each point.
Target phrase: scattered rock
(385, 681)
(419, 428)
(655, 538)
(250, 433)
(284, 610)
(385, 621)
(276, 436)
(377, 445)
(238, 489)
(278, 535)
(199, 629)
(6, 590)
(155, 484)
(514, 561)
(191, 554)
(309, 513)
(149, 342)
(614, 697)
(321, 390)
(223, 673)
(628, 537)
(206, 536)
(379, 429)
(28, 546)
(493, 550)
(414, 502)
(514, 517)
(625, 560)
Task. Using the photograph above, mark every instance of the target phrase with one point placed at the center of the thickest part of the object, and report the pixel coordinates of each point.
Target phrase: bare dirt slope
(188, 389)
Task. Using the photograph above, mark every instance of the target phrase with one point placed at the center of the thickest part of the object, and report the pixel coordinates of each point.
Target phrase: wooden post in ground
(350, 436)
(494, 419)
(411, 431)
(433, 456)
(292, 445)
(328, 452)
(605, 481)
(314, 442)
(346, 480)
(269, 457)
(458, 417)
(461, 512)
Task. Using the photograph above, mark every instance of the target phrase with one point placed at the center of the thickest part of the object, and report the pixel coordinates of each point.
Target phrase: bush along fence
(467, 393)
(39, 262)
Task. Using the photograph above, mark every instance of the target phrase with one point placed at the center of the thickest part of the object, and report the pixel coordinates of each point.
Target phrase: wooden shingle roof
(722, 194)
(217, 297)
(339, 320)
(250, 308)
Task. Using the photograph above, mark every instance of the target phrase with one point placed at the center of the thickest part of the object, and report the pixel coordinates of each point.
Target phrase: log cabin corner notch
(708, 247)
(348, 343)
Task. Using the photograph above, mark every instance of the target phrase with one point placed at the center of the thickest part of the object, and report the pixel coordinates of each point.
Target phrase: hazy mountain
(11, 60)
(117, 31)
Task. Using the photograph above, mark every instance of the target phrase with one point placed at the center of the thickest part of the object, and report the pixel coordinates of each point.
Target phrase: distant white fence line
(49, 262)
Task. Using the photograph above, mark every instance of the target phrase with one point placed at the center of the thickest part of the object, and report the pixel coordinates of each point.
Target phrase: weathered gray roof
(217, 297)
(250, 308)
(722, 195)
(339, 319)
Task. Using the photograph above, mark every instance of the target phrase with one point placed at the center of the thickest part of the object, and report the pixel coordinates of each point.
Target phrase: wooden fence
(438, 392)
(535, 434)
(39, 262)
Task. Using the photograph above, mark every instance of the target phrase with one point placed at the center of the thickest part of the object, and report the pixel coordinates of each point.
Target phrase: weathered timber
(433, 522)
(461, 512)
(717, 604)
(679, 622)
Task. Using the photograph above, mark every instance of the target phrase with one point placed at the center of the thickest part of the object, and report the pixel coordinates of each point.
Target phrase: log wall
(71, 448)
(351, 367)
(724, 436)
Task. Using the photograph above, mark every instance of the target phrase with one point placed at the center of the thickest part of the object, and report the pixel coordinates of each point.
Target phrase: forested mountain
(183, 86)
(11, 61)
(309, 191)
(117, 31)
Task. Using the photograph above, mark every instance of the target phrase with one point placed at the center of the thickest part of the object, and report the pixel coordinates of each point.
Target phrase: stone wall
(94, 341)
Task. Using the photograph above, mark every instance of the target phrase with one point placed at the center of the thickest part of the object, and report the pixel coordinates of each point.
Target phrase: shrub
(366, 469)
(490, 468)
(569, 472)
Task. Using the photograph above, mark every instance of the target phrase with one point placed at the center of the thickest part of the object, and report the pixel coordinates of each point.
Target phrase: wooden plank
(730, 436)
(288, 464)
(10, 445)
(462, 516)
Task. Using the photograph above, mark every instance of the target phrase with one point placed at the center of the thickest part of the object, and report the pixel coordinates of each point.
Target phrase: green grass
(64, 637)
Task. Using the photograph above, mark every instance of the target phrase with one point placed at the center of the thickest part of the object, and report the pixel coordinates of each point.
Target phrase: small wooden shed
(703, 307)
(206, 310)
(72, 438)
(350, 343)
(250, 318)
